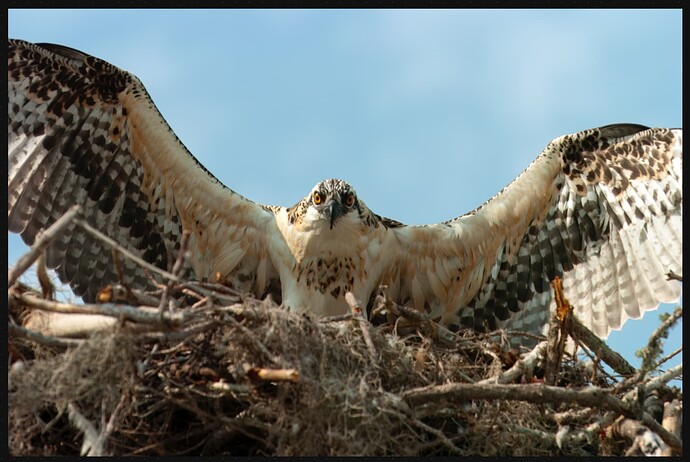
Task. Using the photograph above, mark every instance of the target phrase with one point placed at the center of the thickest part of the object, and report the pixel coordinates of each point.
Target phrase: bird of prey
(601, 209)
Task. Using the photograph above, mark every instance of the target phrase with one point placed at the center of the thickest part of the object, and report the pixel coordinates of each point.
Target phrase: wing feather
(81, 131)
(600, 209)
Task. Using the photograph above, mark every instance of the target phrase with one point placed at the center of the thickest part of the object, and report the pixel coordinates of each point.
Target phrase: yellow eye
(349, 200)
(317, 198)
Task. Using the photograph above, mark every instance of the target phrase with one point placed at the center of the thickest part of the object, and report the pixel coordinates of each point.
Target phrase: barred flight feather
(600, 209)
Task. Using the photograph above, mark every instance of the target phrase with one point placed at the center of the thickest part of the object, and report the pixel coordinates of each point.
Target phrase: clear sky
(426, 113)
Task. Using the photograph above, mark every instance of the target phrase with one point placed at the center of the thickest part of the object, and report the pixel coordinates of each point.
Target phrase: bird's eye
(317, 198)
(349, 200)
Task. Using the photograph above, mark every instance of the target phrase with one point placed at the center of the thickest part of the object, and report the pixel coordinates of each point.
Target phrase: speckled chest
(328, 274)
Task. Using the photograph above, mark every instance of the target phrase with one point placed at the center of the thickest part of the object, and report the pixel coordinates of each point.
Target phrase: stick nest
(245, 377)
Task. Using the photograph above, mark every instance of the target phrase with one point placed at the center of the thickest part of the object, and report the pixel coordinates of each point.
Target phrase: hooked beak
(333, 211)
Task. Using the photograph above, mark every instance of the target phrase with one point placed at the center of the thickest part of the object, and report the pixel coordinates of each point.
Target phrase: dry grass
(201, 389)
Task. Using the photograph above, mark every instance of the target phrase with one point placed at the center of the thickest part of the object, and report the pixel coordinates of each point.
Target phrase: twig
(141, 314)
(673, 420)
(182, 334)
(672, 275)
(229, 388)
(534, 393)
(363, 324)
(601, 349)
(441, 332)
(97, 450)
(273, 375)
(670, 356)
(648, 354)
(26, 260)
(20, 331)
(47, 286)
(520, 367)
(544, 437)
(653, 347)
(85, 426)
(662, 379)
(336, 318)
(212, 290)
(212, 287)
(257, 343)
(668, 438)
(644, 440)
(177, 269)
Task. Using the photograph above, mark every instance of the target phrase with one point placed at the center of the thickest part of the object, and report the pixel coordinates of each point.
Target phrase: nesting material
(239, 376)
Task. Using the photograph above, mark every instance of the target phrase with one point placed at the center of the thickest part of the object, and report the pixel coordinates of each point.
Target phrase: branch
(645, 441)
(83, 424)
(601, 349)
(273, 375)
(20, 331)
(535, 393)
(97, 449)
(662, 379)
(177, 270)
(520, 367)
(140, 314)
(673, 420)
(538, 394)
(363, 324)
(653, 347)
(672, 275)
(40, 245)
(441, 332)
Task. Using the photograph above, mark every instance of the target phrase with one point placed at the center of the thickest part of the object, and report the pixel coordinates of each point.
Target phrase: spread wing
(601, 209)
(81, 131)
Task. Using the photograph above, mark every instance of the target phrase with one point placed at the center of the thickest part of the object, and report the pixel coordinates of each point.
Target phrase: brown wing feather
(600, 208)
(81, 131)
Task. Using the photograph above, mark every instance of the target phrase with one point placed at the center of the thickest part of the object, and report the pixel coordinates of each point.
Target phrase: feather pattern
(82, 131)
(600, 208)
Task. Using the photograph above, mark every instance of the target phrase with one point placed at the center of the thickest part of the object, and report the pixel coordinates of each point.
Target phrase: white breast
(326, 263)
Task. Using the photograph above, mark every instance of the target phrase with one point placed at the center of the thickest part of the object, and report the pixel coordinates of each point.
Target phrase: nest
(235, 376)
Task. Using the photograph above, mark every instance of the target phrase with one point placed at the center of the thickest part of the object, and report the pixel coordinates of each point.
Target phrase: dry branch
(651, 351)
(363, 324)
(673, 421)
(274, 375)
(230, 375)
(534, 393)
(442, 333)
(600, 349)
(177, 271)
(140, 314)
(644, 441)
(26, 260)
(89, 445)
(46, 340)
(521, 367)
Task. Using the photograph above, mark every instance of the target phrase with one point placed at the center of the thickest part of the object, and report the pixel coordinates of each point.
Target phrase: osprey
(600, 208)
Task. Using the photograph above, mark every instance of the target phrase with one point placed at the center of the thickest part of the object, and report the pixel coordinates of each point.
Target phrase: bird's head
(333, 205)
(330, 201)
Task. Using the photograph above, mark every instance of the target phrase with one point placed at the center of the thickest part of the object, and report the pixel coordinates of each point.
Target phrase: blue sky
(426, 113)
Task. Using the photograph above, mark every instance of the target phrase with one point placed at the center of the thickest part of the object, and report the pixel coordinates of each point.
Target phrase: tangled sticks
(205, 371)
